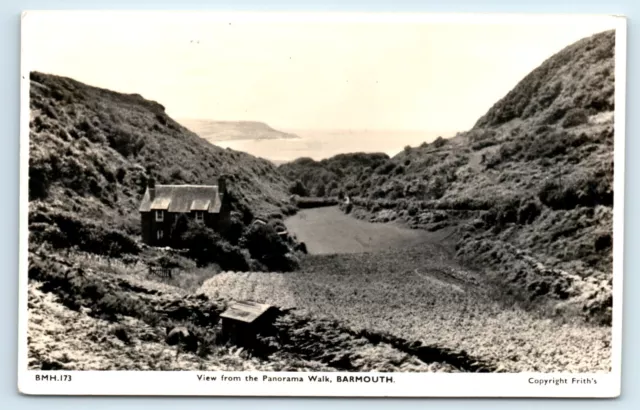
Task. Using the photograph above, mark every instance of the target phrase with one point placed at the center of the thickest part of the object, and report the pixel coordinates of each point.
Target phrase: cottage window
(159, 216)
(159, 234)
(199, 216)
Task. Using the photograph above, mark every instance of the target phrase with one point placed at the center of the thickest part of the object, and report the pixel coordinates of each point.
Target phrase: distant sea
(324, 144)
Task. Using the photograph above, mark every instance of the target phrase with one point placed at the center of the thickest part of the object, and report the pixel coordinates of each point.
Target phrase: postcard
(321, 204)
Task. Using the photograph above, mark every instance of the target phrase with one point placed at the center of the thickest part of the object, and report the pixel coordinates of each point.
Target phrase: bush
(348, 208)
(528, 211)
(127, 144)
(205, 246)
(65, 230)
(439, 142)
(304, 203)
(266, 246)
(483, 144)
(176, 174)
(320, 190)
(39, 181)
(298, 188)
(234, 228)
(385, 169)
(121, 173)
(603, 241)
(575, 117)
(578, 190)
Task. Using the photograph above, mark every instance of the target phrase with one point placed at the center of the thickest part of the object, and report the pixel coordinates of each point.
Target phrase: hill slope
(326, 177)
(92, 152)
(531, 183)
(215, 131)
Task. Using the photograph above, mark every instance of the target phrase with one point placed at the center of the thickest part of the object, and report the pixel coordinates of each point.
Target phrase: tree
(266, 246)
(320, 190)
(177, 231)
(299, 189)
(205, 246)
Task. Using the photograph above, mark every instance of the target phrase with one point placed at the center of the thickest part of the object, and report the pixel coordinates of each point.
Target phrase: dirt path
(328, 230)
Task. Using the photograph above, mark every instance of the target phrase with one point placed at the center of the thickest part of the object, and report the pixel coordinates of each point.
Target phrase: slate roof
(182, 199)
(245, 311)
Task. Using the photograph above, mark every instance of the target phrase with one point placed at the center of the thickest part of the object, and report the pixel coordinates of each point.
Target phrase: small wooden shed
(244, 320)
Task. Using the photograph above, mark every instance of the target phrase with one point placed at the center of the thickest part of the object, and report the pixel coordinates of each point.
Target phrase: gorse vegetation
(330, 177)
(535, 172)
(522, 204)
(84, 317)
(92, 153)
(420, 294)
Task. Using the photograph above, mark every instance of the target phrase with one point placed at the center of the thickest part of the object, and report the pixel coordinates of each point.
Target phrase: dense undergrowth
(534, 176)
(127, 313)
(92, 153)
(421, 295)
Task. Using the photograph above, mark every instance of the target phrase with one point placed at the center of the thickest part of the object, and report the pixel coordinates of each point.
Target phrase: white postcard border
(187, 383)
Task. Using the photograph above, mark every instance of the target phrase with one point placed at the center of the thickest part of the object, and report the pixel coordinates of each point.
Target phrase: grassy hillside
(92, 152)
(530, 185)
(215, 131)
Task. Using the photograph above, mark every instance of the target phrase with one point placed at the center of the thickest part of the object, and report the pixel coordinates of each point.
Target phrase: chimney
(222, 184)
(151, 186)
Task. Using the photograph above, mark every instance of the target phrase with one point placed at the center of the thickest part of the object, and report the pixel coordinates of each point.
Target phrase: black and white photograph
(321, 204)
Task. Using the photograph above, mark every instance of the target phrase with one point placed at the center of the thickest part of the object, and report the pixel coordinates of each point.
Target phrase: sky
(302, 72)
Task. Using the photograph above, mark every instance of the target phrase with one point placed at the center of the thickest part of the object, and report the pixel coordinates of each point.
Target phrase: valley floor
(327, 230)
(398, 302)
(420, 296)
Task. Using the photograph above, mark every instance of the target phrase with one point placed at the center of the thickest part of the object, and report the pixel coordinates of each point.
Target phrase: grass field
(328, 230)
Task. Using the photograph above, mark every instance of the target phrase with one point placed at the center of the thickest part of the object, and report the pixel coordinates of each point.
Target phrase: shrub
(298, 188)
(483, 144)
(578, 190)
(265, 245)
(127, 144)
(575, 117)
(67, 230)
(39, 180)
(233, 228)
(603, 241)
(121, 173)
(385, 169)
(348, 208)
(437, 187)
(320, 190)
(178, 230)
(309, 202)
(439, 142)
(176, 174)
(507, 212)
(528, 211)
(122, 333)
(205, 246)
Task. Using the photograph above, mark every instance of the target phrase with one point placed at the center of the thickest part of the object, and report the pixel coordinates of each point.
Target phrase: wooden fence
(134, 268)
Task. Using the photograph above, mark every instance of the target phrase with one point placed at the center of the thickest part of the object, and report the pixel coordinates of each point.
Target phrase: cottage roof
(182, 198)
(245, 311)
